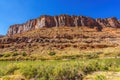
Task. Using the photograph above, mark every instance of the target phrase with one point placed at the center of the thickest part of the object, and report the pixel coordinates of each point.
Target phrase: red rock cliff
(61, 21)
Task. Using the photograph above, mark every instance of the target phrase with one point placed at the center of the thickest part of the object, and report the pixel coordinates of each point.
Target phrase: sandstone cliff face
(119, 21)
(1, 36)
(19, 28)
(61, 21)
(109, 22)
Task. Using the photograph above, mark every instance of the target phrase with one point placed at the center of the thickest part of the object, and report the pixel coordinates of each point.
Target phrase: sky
(20, 11)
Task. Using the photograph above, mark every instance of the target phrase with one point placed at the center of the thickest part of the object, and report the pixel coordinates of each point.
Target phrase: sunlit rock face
(109, 22)
(114, 22)
(62, 21)
(19, 28)
(1, 36)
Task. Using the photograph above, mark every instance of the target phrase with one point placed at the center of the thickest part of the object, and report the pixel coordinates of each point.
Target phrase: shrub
(52, 53)
(68, 72)
(100, 77)
(10, 54)
(88, 68)
(29, 71)
(24, 54)
(6, 55)
(6, 78)
(1, 72)
(95, 65)
(14, 54)
(11, 69)
(92, 55)
(1, 55)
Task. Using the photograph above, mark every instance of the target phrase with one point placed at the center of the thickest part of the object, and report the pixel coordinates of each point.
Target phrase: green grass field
(56, 69)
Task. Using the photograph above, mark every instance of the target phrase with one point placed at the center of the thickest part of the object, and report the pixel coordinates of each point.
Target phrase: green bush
(14, 54)
(11, 69)
(100, 77)
(52, 53)
(6, 55)
(29, 71)
(24, 54)
(6, 78)
(1, 55)
(68, 72)
(10, 54)
(92, 55)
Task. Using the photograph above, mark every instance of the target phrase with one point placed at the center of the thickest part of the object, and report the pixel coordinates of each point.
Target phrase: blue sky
(19, 11)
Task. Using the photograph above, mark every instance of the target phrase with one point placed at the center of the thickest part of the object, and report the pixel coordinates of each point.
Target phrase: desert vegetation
(57, 70)
(68, 54)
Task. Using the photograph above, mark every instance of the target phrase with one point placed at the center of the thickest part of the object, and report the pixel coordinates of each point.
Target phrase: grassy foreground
(56, 70)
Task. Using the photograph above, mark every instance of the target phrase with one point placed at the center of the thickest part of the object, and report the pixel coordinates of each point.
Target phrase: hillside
(63, 37)
(90, 51)
(62, 40)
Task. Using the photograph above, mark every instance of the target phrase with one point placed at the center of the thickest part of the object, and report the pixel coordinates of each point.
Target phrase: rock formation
(109, 22)
(19, 28)
(63, 20)
(1, 36)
